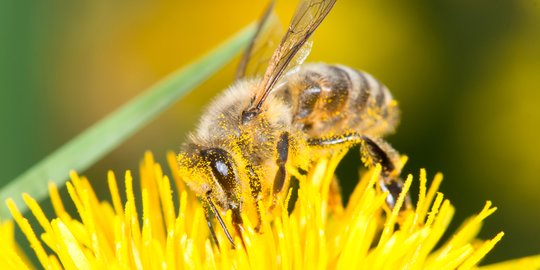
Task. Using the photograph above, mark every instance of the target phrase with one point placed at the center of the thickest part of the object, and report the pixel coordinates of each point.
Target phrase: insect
(238, 156)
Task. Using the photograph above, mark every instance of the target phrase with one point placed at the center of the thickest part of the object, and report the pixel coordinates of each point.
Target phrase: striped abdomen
(330, 100)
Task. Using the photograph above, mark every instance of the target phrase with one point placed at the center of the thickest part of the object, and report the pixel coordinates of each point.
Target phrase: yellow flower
(320, 232)
(10, 254)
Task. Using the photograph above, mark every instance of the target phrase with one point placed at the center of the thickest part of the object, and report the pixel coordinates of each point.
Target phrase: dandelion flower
(164, 227)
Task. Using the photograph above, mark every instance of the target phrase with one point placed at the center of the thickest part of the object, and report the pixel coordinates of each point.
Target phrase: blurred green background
(466, 73)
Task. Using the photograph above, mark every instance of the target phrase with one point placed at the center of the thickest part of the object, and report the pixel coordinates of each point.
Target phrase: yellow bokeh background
(466, 74)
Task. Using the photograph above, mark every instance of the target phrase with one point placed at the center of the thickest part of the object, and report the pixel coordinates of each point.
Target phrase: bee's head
(212, 174)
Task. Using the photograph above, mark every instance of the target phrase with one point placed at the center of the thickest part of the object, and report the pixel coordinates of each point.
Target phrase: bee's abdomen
(330, 100)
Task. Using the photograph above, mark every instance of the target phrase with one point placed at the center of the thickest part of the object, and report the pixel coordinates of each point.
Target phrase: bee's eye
(222, 169)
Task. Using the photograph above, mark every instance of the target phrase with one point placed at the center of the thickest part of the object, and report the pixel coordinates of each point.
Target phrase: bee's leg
(255, 186)
(237, 223)
(211, 207)
(280, 178)
(281, 160)
(375, 151)
(349, 138)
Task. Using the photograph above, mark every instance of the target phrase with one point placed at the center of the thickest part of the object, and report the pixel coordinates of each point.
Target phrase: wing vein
(307, 17)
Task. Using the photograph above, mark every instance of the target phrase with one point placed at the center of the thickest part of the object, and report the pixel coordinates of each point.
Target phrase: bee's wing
(307, 17)
(262, 45)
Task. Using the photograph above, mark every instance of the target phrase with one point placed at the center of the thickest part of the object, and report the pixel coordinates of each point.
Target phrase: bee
(237, 158)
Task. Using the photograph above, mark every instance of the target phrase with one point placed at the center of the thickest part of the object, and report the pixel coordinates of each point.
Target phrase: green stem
(104, 136)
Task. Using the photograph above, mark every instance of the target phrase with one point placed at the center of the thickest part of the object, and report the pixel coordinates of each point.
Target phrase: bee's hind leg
(377, 151)
(374, 151)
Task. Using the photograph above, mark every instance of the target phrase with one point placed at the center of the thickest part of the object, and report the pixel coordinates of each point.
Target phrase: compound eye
(222, 170)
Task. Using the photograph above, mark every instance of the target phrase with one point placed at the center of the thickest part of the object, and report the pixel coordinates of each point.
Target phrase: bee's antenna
(220, 220)
(209, 223)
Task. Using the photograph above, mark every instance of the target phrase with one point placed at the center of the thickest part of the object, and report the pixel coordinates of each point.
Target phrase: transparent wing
(308, 16)
(259, 51)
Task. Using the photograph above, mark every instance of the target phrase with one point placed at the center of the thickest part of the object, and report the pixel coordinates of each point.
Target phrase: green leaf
(101, 138)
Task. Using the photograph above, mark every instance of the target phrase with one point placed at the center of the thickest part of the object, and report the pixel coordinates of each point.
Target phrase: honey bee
(237, 158)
